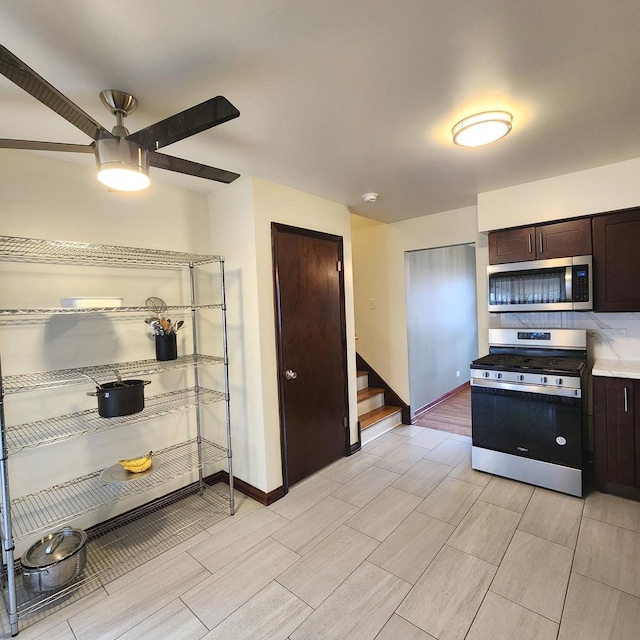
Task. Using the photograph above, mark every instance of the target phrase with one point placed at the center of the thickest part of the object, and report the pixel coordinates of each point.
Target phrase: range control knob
(485, 374)
(521, 377)
(498, 376)
(544, 380)
(559, 382)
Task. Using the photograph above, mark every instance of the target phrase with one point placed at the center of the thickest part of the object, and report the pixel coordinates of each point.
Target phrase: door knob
(290, 375)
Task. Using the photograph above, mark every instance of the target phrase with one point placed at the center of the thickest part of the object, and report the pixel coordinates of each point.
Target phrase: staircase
(374, 415)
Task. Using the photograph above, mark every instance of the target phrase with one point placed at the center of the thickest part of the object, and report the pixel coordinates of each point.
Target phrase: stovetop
(565, 365)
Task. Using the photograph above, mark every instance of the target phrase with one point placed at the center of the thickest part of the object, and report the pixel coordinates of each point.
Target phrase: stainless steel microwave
(561, 284)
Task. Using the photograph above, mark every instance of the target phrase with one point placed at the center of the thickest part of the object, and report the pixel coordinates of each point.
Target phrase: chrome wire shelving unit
(130, 539)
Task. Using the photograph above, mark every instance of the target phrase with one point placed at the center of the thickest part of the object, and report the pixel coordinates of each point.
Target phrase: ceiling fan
(119, 154)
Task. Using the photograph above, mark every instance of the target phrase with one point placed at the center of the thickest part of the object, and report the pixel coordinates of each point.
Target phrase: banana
(137, 465)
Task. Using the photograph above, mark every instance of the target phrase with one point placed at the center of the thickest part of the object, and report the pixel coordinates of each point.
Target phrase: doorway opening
(442, 322)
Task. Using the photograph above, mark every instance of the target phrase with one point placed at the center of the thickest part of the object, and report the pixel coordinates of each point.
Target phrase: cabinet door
(614, 447)
(636, 401)
(511, 245)
(616, 261)
(564, 239)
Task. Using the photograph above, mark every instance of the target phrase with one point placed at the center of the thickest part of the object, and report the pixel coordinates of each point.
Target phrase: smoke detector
(372, 196)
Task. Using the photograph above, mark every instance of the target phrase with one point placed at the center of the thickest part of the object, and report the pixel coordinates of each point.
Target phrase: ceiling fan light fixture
(482, 128)
(122, 164)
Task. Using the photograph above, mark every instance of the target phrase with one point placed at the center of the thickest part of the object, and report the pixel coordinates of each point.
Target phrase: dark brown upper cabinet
(616, 261)
(555, 240)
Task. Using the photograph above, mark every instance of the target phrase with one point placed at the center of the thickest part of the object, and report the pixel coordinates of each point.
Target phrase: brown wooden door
(311, 338)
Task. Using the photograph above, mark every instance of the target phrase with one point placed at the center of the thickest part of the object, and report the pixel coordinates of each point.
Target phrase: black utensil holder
(167, 347)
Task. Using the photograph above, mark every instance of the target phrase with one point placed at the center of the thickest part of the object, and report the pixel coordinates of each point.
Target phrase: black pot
(120, 398)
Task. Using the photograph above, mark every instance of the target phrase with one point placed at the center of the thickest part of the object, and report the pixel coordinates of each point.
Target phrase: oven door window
(531, 425)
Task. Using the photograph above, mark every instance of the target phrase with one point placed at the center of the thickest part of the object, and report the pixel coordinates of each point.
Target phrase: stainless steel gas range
(527, 412)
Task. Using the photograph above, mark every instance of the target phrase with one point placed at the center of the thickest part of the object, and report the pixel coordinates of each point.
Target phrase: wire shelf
(128, 541)
(44, 510)
(102, 373)
(18, 249)
(89, 310)
(74, 425)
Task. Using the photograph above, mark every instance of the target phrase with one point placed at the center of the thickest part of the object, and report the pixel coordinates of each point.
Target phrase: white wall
(607, 188)
(45, 198)
(241, 217)
(379, 274)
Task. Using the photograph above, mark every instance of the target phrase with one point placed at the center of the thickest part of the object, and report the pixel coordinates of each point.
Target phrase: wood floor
(452, 415)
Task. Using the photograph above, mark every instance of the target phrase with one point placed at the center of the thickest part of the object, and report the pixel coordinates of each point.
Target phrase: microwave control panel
(581, 283)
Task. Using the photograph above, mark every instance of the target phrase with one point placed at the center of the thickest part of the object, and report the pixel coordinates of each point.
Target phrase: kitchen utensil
(177, 326)
(54, 560)
(88, 377)
(156, 305)
(120, 398)
(156, 326)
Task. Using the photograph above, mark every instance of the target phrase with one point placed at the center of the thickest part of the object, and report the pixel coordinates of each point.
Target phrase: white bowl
(90, 303)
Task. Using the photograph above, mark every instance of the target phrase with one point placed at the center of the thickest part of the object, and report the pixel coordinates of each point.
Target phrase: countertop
(617, 368)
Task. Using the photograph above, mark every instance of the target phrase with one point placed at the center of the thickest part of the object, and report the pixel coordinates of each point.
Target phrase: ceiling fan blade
(186, 123)
(26, 78)
(171, 163)
(33, 145)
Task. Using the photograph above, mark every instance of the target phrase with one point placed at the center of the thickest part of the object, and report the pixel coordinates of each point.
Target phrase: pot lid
(54, 548)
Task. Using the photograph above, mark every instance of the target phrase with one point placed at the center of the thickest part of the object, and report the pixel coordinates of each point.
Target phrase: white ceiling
(341, 97)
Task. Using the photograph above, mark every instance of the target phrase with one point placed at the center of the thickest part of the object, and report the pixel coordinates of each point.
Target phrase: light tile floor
(401, 541)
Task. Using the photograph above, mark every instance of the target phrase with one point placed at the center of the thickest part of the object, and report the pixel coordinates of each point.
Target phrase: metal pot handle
(51, 547)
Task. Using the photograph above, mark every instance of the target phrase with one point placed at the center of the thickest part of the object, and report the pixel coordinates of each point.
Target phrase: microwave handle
(568, 283)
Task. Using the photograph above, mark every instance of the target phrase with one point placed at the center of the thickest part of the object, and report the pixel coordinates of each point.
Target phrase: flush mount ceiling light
(371, 196)
(482, 128)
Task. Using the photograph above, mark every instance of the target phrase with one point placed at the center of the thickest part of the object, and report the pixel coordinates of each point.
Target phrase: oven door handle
(526, 388)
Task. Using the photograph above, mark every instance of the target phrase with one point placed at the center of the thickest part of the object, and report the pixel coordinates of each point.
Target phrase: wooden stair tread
(362, 373)
(369, 392)
(372, 417)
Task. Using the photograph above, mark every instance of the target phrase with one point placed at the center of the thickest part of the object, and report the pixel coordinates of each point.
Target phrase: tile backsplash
(609, 335)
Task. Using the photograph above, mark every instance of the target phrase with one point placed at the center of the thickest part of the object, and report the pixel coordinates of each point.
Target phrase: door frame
(278, 227)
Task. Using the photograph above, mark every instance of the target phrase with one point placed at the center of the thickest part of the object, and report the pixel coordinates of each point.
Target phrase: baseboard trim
(249, 490)
(220, 476)
(437, 401)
